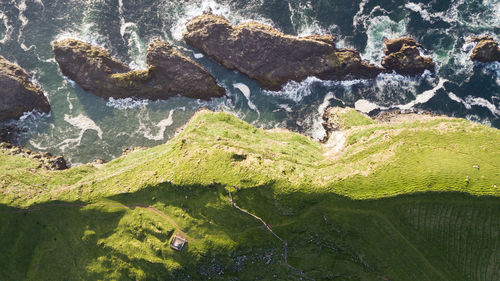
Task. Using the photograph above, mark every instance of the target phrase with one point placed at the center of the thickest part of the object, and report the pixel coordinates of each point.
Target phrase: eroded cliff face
(486, 49)
(403, 56)
(17, 93)
(169, 72)
(271, 57)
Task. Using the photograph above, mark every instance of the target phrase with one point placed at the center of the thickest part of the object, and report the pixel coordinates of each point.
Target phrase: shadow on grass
(431, 236)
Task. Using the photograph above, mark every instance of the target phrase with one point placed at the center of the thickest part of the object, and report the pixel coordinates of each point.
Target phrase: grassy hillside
(114, 221)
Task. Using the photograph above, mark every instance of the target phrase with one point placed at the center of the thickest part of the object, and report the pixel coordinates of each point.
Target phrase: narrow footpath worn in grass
(429, 210)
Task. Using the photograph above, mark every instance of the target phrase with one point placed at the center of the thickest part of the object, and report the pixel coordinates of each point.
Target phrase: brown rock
(271, 57)
(403, 56)
(17, 93)
(46, 160)
(486, 49)
(168, 73)
(394, 45)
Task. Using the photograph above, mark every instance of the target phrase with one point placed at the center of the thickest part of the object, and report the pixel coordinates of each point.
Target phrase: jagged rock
(403, 56)
(271, 57)
(8, 133)
(486, 49)
(129, 150)
(17, 93)
(168, 73)
(47, 161)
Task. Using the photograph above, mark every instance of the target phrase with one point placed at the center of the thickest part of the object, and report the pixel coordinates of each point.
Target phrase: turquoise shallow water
(83, 127)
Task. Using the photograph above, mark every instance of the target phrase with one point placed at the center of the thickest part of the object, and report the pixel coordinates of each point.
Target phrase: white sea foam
(296, 91)
(477, 119)
(425, 96)
(126, 103)
(198, 55)
(303, 23)
(195, 9)
(83, 123)
(378, 29)
(246, 92)
(425, 14)
(365, 106)
(38, 145)
(471, 100)
(285, 107)
(493, 68)
(454, 97)
(317, 131)
(32, 115)
(163, 124)
(70, 104)
(475, 101)
(8, 28)
(135, 45)
(359, 18)
(469, 46)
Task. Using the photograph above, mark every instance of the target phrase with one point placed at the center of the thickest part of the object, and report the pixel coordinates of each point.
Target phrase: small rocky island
(486, 49)
(17, 93)
(403, 56)
(169, 72)
(271, 57)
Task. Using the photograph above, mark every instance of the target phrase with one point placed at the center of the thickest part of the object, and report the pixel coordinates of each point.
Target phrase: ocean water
(84, 127)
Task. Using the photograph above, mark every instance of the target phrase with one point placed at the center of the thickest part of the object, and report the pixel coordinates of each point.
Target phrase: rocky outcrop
(169, 72)
(403, 56)
(17, 93)
(46, 160)
(271, 57)
(486, 49)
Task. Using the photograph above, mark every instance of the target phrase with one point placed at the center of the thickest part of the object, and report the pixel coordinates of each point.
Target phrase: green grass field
(410, 200)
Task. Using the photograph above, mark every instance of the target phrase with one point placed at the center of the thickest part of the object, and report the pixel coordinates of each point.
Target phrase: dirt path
(285, 244)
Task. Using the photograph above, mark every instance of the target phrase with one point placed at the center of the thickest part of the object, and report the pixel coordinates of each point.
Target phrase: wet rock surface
(271, 57)
(168, 73)
(47, 161)
(9, 133)
(486, 49)
(17, 93)
(403, 56)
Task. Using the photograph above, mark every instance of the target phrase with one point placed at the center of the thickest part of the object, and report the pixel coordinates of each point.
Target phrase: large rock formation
(17, 93)
(403, 56)
(271, 57)
(168, 73)
(486, 49)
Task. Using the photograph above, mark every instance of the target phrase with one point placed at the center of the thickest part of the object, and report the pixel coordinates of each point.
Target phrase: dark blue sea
(84, 127)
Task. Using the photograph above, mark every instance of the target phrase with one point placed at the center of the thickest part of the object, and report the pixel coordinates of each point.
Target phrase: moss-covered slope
(114, 221)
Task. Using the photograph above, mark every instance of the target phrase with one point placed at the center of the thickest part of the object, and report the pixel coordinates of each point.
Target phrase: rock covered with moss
(169, 72)
(46, 160)
(343, 118)
(486, 49)
(17, 93)
(271, 57)
(403, 56)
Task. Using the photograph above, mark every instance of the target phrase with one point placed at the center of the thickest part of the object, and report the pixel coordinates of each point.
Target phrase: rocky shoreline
(257, 50)
(47, 161)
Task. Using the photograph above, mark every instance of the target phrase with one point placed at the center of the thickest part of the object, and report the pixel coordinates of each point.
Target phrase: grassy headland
(430, 209)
